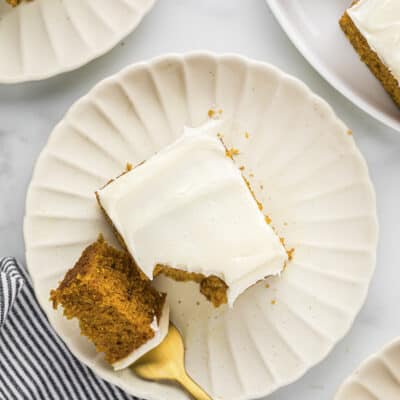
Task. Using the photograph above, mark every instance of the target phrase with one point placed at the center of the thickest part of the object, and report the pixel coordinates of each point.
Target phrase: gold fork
(166, 363)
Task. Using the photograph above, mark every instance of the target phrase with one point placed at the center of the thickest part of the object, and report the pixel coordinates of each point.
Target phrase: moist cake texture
(188, 213)
(117, 309)
(372, 27)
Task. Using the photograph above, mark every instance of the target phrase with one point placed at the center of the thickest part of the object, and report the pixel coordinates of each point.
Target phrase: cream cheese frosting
(379, 22)
(188, 207)
(160, 330)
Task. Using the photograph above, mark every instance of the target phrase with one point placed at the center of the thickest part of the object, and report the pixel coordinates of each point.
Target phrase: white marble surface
(28, 112)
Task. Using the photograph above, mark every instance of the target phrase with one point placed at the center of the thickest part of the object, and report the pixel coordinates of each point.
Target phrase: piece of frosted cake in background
(188, 213)
(117, 308)
(373, 28)
(14, 3)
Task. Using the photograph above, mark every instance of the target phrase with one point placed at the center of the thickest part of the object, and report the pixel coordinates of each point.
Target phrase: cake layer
(188, 208)
(118, 310)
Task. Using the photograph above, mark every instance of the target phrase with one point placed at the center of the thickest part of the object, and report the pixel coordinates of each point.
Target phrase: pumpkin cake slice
(372, 27)
(117, 308)
(188, 213)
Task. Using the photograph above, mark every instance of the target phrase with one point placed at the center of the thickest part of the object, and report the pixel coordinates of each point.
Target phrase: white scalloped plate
(315, 187)
(43, 38)
(377, 378)
(313, 27)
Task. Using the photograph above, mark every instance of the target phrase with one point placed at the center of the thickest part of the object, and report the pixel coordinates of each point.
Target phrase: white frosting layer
(379, 22)
(160, 332)
(188, 207)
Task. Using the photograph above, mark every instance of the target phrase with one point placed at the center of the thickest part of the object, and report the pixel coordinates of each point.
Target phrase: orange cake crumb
(289, 252)
(259, 204)
(213, 113)
(232, 152)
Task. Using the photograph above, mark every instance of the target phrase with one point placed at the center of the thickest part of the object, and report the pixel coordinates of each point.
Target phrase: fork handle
(193, 388)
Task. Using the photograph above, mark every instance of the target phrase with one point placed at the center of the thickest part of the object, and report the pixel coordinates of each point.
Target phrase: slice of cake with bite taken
(117, 308)
(188, 213)
(373, 28)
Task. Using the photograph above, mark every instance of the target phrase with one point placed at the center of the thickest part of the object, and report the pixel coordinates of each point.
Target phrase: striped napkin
(34, 363)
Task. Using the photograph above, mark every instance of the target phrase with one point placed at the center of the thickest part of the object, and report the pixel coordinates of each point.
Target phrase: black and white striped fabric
(34, 363)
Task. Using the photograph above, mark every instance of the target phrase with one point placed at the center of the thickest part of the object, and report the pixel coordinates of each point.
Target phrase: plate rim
(313, 60)
(40, 76)
(367, 362)
(201, 54)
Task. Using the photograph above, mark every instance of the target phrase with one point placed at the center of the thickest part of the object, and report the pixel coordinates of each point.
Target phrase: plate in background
(308, 173)
(312, 26)
(43, 38)
(377, 378)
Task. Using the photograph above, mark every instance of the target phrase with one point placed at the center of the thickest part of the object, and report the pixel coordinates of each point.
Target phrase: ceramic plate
(42, 38)
(303, 165)
(313, 27)
(377, 378)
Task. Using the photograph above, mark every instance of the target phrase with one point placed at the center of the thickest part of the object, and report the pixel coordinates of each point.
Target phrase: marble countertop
(28, 113)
